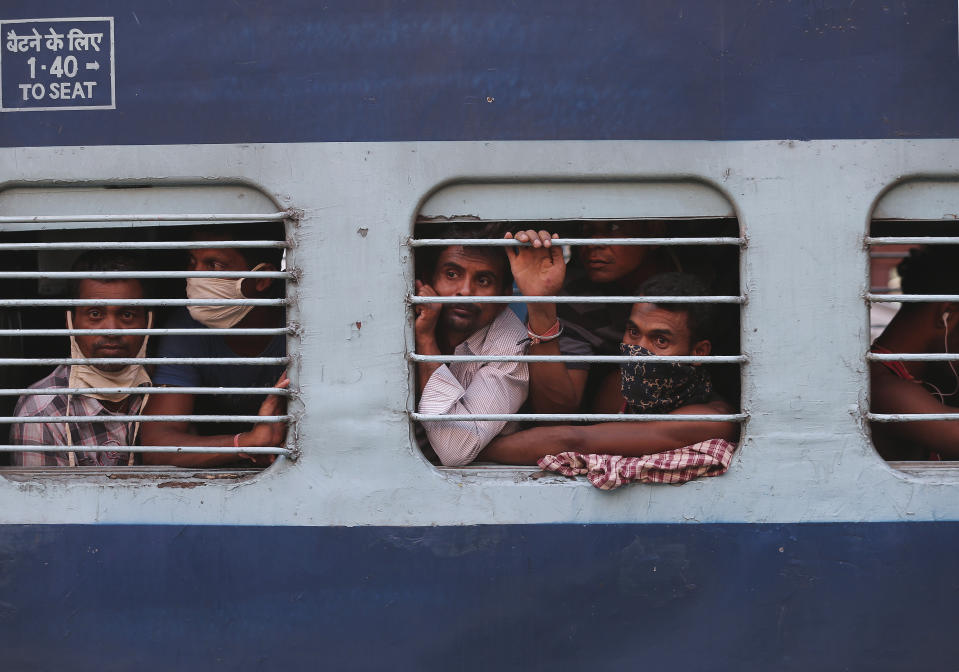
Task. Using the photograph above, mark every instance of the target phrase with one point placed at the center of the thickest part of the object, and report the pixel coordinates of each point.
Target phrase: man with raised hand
(90, 443)
(463, 388)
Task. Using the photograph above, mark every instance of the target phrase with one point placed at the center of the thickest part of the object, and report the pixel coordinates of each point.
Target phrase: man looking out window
(99, 436)
(463, 388)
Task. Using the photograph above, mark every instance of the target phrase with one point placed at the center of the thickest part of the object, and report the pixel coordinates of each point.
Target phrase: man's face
(229, 259)
(216, 259)
(466, 272)
(662, 332)
(109, 317)
(609, 263)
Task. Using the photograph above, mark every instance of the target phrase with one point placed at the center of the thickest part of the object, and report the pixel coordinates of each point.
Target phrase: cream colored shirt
(464, 388)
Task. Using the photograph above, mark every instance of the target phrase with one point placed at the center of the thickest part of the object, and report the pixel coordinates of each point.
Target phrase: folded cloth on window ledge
(607, 472)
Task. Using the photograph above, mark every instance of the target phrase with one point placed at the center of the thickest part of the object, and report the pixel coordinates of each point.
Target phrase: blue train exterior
(804, 120)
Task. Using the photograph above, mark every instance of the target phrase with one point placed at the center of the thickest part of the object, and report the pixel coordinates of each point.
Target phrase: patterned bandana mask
(652, 387)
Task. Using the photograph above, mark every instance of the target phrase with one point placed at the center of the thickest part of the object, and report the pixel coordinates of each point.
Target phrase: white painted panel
(558, 200)
(154, 200)
(806, 456)
(920, 199)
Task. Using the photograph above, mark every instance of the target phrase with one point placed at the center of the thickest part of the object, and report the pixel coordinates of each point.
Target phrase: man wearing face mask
(679, 329)
(80, 437)
(232, 435)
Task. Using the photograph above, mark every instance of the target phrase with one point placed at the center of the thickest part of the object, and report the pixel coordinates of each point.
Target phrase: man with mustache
(89, 443)
(465, 388)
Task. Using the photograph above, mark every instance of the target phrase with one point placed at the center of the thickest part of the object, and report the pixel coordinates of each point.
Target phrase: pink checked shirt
(464, 388)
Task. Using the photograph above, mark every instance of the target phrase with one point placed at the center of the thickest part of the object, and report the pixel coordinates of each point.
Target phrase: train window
(914, 306)
(143, 328)
(517, 350)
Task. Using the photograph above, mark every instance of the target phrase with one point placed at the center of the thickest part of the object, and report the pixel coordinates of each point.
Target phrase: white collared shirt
(464, 388)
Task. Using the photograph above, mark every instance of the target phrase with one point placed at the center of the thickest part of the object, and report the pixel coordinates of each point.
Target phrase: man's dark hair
(247, 231)
(99, 261)
(700, 317)
(427, 257)
(932, 269)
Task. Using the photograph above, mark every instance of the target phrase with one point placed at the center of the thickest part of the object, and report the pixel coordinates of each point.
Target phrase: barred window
(100, 333)
(644, 230)
(913, 299)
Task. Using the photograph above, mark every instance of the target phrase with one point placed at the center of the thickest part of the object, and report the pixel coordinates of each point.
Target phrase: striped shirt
(100, 434)
(464, 388)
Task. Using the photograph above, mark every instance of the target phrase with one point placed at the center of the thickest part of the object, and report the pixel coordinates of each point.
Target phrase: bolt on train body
(810, 135)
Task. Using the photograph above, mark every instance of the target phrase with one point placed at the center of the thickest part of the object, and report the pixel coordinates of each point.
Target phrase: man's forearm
(629, 439)
(165, 436)
(552, 388)
(528, 446)
(425, 345)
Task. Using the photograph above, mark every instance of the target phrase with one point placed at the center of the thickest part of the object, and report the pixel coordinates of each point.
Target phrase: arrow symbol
(93, 66)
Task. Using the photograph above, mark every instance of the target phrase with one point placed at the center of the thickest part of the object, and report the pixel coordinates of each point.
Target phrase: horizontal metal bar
(164, 217)
(265, 331)
(46, 420)
(36, 391)
(913, 357)
(578, 417)
(888, 255)
(574, 299)
(111, 275)
(215, 361)
(910, 417)
(912, 240)
(575, 242)
(252, 450)
(33, 303)
(911, 298)
(604, 359)
(143, 245)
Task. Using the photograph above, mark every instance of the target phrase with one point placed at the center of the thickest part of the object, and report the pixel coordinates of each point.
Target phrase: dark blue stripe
(226, 71)
(550, 597)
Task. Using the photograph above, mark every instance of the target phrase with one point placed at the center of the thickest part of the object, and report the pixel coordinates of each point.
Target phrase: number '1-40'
(61, 66)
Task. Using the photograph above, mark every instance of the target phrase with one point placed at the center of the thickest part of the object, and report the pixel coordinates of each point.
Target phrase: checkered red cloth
(607, 472)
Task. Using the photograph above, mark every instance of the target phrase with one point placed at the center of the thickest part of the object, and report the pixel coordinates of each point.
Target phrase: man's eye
(93, 314)
(450, 275)
(661, 342)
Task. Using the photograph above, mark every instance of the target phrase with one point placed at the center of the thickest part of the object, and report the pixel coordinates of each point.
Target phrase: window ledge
(928, 469)
(163, 476)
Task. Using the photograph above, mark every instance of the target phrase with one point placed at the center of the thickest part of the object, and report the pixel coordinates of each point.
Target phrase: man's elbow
(457, 451)
(457, 455)
(728, 431)
(454, 460)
